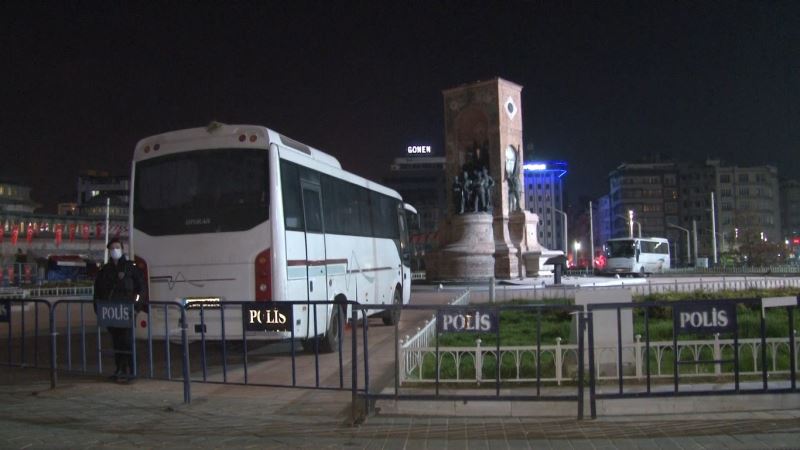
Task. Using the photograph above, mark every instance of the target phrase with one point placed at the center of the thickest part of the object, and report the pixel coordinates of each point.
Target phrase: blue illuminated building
(544, 196)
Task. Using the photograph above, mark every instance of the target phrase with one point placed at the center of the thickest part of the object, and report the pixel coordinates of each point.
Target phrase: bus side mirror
(637, 254)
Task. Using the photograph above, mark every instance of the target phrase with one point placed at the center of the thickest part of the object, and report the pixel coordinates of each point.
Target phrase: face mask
(116, 253)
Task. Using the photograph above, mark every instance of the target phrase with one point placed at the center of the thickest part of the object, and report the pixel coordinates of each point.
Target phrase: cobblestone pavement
(89, 412)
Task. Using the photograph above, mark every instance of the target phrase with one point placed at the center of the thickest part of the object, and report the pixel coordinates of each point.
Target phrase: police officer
(120, 280)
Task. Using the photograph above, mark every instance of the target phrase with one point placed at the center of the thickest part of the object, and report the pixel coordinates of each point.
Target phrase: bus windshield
(620, 249)
(202, 191)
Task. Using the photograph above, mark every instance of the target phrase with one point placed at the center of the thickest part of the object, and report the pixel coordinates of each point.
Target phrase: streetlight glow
(630, 222)
(638, 224)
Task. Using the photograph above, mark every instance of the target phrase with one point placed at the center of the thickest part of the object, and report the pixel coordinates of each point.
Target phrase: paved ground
(89, 412)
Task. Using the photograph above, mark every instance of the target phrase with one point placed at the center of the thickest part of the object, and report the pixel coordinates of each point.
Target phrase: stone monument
(487, 231)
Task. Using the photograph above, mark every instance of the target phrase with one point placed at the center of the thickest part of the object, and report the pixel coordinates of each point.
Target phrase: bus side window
(404, 243)
(313, 210)
(292, 204)
(384, 224)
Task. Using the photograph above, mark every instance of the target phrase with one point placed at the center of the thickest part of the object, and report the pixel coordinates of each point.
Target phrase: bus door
(315, 255)
(642, 258)
(405, 250)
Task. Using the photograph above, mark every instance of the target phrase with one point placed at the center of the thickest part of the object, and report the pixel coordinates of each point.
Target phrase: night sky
(603, 82)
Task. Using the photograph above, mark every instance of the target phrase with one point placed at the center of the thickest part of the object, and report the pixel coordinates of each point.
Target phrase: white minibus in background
(641, 256)
(243, 213)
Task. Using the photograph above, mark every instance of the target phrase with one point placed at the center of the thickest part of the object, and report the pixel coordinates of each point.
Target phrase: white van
(641, 256)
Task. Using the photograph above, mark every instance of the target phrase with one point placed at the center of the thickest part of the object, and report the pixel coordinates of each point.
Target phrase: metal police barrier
(724, 342)
(240, 342)
(482, 320)
(80, 342)
(204, 331)
(26, 326)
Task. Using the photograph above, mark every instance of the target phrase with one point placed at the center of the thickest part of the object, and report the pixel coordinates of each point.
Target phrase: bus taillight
(263, 276)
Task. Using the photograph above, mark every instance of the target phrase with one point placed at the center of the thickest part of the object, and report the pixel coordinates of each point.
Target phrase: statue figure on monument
(458, 196)
(467, 189)
(512, 177)
(489, 188)
(480, 189)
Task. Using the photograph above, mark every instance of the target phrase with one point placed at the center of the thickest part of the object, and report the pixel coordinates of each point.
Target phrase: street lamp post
(638, 225)
(591, 237)
(694, 234)
(713, 230)
(720, 239)
(577, 246)
(688, 244)
(566, 247)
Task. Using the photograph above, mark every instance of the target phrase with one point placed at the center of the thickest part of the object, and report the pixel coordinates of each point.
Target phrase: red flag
(29, 234)
(27, 271)
(72, 227)
(98, 230)
(14, 234)
(2, 235)
(59, 233)
(85, 231)
(10, 274)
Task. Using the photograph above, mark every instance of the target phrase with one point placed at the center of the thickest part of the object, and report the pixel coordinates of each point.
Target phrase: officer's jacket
(120, 281)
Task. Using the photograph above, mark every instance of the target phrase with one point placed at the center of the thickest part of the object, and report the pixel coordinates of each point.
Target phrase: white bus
(641, 256)
(243, 213)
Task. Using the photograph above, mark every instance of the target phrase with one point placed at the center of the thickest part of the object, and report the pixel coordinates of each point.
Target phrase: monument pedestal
(468, 254)
(522, 227)
(506, 255)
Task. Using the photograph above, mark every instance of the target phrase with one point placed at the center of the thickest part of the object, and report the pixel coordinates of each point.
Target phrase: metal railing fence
(425, 335)
(426, 356)
(690, 356)
(506, 292)
(203, 341)
(172, 341)
(560, 357)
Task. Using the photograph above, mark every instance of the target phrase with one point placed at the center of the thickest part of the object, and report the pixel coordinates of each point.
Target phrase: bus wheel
(330, 342)
(392, 316)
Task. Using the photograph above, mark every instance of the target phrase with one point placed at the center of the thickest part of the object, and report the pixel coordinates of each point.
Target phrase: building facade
(28, 238)
(691, 208)
(15, 197)
(544, 196)
(676, 199)
(421, 182)
(643, 189)
(602, 220)
(94, 187)
(790, 209)
(749, 203)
